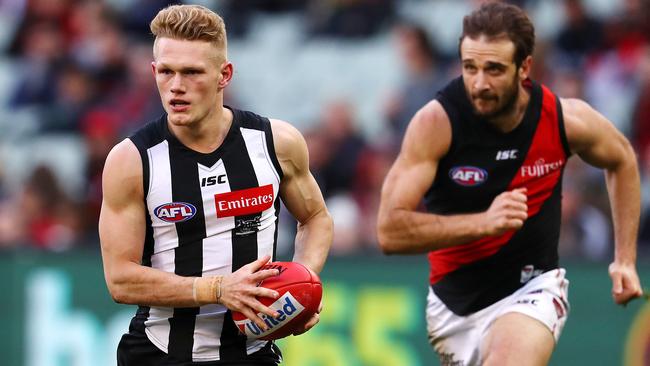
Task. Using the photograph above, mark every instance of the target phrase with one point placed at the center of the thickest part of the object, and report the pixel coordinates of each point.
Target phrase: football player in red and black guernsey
(487, 157)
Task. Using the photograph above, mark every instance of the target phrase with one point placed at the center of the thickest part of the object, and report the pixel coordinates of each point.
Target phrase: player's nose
(177, 85)
(480, 83)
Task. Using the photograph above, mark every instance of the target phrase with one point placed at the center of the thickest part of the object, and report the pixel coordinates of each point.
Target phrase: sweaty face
(490, 75)
(187, 74)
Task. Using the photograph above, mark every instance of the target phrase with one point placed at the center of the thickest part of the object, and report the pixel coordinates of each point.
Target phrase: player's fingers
(522, 190)
(264, 274)
(511, 203)
(632, 285)
(619, 299)
(517, 213)
(517, 204)
(257, 264)
(639, 292)
(515, 223)
(310, 324)
(260, 308)
(632, 293)
(265, 292)
(624, 297)
(256, 319)
(313, 321)
(519, 197)
(617, 283)
(518, 194)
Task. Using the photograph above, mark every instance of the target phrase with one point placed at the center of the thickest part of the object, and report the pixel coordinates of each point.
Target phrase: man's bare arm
(599, 143)
(122, 231)
(401, 229)
(304, 200)
(302, 197)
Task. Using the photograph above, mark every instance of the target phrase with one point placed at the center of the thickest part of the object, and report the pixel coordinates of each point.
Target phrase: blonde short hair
(190, 22)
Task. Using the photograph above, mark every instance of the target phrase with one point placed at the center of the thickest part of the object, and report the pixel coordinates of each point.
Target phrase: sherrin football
(300, 292)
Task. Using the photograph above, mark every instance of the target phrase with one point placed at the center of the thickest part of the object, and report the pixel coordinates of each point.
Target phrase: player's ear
(153, 68)
(226, 75)
(525, 68)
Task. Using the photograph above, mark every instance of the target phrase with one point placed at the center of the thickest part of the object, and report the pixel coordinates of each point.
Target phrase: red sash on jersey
(539, 173)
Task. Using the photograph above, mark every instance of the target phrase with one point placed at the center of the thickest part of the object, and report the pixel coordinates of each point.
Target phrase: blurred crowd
(81, 68)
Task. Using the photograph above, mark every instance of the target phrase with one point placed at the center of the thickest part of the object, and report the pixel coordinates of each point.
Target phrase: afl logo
(468, 176)
(175, 212)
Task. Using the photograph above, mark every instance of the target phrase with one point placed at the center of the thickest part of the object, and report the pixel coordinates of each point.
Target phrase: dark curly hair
(500, 20)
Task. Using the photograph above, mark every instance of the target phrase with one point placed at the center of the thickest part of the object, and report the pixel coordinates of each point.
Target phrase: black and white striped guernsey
(207, 214)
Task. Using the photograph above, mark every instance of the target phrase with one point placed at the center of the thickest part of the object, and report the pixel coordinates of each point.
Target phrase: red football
(300, 292)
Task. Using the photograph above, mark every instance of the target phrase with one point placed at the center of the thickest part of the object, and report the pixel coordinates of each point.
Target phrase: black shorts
(135, 349)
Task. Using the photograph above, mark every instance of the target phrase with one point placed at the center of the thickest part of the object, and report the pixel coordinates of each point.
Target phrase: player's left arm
(599, 143)
(304, 200)
(302, 197)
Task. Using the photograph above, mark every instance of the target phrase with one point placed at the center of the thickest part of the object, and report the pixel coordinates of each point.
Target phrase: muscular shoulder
(581, 122)
(593, 137)
(122, 176)
(575, 110)
(290, 147)
(428, 135)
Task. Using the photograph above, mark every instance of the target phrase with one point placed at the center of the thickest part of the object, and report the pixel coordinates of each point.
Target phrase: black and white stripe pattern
(206, 244)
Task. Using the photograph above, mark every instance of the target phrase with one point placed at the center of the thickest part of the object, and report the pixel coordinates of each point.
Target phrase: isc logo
(468, 175)
(175, 211)
(210, 181)
(506, 154)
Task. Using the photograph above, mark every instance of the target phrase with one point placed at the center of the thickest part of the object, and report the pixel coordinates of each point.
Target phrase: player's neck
(509, 120)
(206, 135)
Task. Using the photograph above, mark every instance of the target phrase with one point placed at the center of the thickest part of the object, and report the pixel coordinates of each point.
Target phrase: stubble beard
(510, 97)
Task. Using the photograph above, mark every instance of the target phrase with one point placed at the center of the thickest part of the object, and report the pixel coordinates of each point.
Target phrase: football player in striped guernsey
(191, 205)
(487, 157)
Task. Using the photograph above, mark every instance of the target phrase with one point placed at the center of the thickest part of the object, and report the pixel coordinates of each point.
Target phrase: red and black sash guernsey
(482, 163)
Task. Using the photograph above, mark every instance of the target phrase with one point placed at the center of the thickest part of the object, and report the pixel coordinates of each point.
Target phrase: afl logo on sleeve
(468, 176)
(175, 212)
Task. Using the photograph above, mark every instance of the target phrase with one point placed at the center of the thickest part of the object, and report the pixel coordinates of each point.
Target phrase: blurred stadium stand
(76, 80)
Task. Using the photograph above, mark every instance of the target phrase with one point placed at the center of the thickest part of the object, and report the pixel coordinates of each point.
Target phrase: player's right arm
(122, 233)
(401, 228)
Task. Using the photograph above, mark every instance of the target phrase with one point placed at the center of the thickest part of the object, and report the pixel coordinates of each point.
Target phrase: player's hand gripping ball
(300, 292)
